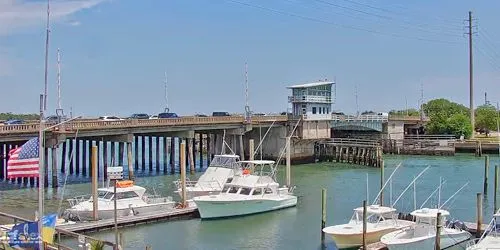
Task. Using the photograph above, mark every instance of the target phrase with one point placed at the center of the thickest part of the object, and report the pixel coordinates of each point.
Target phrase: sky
(114, 53)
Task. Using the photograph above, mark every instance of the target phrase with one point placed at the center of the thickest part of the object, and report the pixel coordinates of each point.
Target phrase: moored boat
(490, 238)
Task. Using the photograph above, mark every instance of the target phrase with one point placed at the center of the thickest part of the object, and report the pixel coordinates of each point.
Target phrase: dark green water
(299, 227)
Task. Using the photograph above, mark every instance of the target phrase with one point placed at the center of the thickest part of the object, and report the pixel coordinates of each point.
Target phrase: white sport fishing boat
(131, 200)
(222, 168)
(490, 238)
(422, 235)
(252, 191)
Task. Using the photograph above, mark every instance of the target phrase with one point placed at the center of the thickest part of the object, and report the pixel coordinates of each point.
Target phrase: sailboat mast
(58, 79)
(166, 94)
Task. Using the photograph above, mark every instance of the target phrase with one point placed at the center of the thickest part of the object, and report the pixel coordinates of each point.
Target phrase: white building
(312, 101)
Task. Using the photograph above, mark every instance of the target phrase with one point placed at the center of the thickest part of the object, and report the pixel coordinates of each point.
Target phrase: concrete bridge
(359, 123)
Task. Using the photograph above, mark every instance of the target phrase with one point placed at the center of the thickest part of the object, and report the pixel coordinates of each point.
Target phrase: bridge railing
(353, 141)
(430, 137)
(362, 118)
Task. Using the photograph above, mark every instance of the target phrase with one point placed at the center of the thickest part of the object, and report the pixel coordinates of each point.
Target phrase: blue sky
(115, 52)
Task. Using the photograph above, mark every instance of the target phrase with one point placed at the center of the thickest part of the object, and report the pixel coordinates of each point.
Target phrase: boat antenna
(166, 94)
(433, 192)
(367, 189)
(411, 183)
(260, 139)
(414, 195)
(439, 192)
(387, 181)
(390, 192)
(59, 79)
(460, 189)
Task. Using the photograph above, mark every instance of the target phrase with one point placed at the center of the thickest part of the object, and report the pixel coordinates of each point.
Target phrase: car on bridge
(217, 113)
(13, 122)
(109, 118)
(139, 116)
(200, 115)
(167, 115)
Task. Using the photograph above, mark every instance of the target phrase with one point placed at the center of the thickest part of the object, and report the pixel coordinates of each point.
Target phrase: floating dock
(100, 225)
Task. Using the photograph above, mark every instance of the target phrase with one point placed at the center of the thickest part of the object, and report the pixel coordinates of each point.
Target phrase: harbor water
(292, 228)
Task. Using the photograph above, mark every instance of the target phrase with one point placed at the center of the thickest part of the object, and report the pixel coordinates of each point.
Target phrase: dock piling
(191, 155)
(486, 169)
(479, 213)
(94, 183)
(251, 149)
(323, 213)
(182, 152)
(437, 244)
(129, 161)
(364, 224)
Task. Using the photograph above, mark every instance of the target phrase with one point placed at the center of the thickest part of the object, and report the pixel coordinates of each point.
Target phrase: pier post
(479, 213)
(437, 244)
(63, 157)
(364, 224)
(71, 157)
(84, 157)
(77, 156)
(143, 153)
(200, 147)
(54, 166)
(495, 204)
(172, 155)
(251, 149)
(136, 151)
(121, 148)
(95, 208)
(129, 161)
(288, 162)
(157, 150)
(105, 159)
(113, 154)
(182, 155)
(190, 154)
(150, 152)
(323, 214)
(382, 180)
(165, 155)
(486, 170)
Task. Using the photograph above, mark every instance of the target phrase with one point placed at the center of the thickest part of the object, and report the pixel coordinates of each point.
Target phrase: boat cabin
(227, 161)
(429, 215)
(123, 191)
(374, 214)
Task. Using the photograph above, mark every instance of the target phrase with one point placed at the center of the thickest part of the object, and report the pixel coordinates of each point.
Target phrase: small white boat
(252, 191)
(422, 234)
(380, 221)
(131, 200)
(490, 238)
(222, 168)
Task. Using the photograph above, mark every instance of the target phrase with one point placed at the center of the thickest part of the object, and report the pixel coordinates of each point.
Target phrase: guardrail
(134, 123)
(430, 137)
(353, 118)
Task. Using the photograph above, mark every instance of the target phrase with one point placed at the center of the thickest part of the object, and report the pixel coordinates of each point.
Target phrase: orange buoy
(124, 184)
(246, 171)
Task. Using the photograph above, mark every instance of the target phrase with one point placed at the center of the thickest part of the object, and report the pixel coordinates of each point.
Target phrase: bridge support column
(63, 157)
(136, 152)
(157, 150)
(165, 154)
(190, 153)
(84, 157)
(71, 157)
(242, 148)
(121, 147)
(129, 161)
(172, 155)
(113, 154)
(150, 153)
(200, 148)
(77, 156)
(143, 153)
(105, 159)
(209, 148)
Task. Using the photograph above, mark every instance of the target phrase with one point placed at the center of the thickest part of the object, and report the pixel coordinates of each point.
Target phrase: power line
(339, 25)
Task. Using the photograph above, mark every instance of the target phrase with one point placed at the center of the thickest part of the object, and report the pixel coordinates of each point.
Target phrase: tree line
(9, 116)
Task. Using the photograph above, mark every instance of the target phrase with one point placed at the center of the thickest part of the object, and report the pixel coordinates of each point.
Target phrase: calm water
(299, 227)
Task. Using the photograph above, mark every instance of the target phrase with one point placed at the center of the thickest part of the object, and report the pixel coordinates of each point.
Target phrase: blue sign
(24, 235)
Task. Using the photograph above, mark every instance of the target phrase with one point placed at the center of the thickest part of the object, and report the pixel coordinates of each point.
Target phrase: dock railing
(82, 239)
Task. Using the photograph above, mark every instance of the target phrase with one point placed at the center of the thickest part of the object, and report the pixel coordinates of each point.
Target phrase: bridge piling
(165, 154)
(105, 159)
(136, 152)
(209, 148)
(193, 153)
(89, 145)
(77, 156)
(2, 161)
(172, 155)
(121, 147)
(150, 153)
(143, 153)
(84, 157)
(200, 148)
(129, 161)
(190, 154)
(71, 156)
(157, 149)
(63, 157)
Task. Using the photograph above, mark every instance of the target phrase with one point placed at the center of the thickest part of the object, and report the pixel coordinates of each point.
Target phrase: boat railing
(156, 198)
(203, 185)
(78, 199)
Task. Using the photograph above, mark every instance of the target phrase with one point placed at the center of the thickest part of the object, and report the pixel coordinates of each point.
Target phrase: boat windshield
(104, 195)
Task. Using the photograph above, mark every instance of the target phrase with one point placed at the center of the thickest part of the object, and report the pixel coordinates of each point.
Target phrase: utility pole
(471, 76)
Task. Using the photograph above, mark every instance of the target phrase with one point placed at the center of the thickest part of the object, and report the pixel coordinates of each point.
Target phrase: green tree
(7, 116)
(486, 117)
(459, 124)
(447, 117)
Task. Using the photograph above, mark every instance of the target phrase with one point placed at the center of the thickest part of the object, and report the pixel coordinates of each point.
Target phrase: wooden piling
(150, 153)
(136, 152)
(122, 240)
(78, 156)
(71, 156)
(495, 204)
(157, 150)
(382, 180)
(172, 155)
(129, 161)
(242, 149)
(479, 213)
(165, 155)
(54, 166)
(148, 247)
(323, 211)
(437, 243)
(143, 153)
(121, 148)
(94, 183)
(364, 224)
(182, 152)
(84, 157)
(105, 159)
(200, 148)
(251, 149)
(191, 155)
(486, 170)
(63, 157)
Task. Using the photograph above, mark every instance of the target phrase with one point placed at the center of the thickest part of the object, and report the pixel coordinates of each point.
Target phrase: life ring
(246, 171)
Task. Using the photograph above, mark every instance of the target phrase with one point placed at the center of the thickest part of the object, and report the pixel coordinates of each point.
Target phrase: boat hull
(344, 241)
(210, 209)
(191, 193)
(447, 240)
(86, 215)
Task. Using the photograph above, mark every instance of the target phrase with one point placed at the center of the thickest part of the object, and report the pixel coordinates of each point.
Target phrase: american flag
(24, 161)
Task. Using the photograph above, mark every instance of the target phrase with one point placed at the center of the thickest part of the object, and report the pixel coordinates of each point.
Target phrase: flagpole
(41, 177)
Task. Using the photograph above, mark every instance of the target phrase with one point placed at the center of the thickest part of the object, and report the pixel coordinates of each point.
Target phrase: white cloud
(16, 15)
(74, 23)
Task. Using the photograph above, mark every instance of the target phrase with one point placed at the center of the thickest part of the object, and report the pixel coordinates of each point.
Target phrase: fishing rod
(460, 189)
(382, 189)
(435, 190)
(411, 183)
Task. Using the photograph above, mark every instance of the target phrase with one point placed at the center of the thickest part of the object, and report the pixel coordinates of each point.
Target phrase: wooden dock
(346, 150)
(94, 226)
